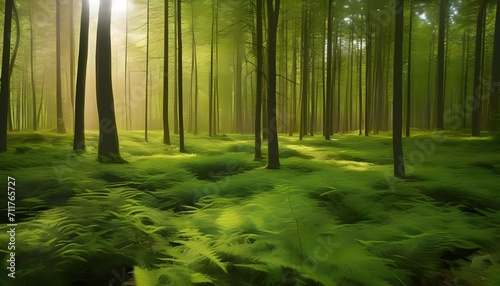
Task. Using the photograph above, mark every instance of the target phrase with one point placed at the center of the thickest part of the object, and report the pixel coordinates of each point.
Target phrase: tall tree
(441, 64)
(408, 78)
(495, 74)
(5, 88)
(147, 75)
(179, 78)
(108, 148)
(329, 77)
(368, 71)
(33, 64)
(260, 77)
(166, 130)
(81, 78)
(60, 118)
(273, 162)
(304, 70)
(397, 107)
(477, 101)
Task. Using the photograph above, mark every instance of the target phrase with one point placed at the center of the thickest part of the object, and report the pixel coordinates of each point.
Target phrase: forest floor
(332, 215)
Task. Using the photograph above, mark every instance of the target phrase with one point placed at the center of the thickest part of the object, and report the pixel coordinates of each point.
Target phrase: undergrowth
(214, 216)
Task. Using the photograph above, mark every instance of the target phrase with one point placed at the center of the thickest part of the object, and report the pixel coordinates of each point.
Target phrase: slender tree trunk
(147, 75)
(166, 130)
(176, 74)
(38, 116)
(463, 77)
(397, 126)
(194, 73)
(368, 73)
(33, 73)
(126, 93)
(72, 53)
(408, 78)
(272, 141)
(329, 76)
(14, 56)
(304, 70)
(260, 77)
(79, 136)
(60, 118)
(495, 75)
(108, 148)
(440, 65)
(477, 100)
(360, 99)
(179, 78)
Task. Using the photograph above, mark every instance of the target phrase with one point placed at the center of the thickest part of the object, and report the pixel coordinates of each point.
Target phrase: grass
(332, 215)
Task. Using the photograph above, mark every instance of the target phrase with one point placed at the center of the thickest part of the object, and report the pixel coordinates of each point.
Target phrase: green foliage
(323, 219)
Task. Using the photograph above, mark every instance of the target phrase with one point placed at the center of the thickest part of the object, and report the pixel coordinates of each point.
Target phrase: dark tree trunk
(179, 78)
(495, 75)
(360, 99)
(79, 137)
(329, 78)
(260, 77)
(273, 161)
(408, 78)
(304, 71)
(397, 126)
(5, 87)
(477, 100)
(166, 130)
(368, 73)
(465, 76)
(14, 54)
(108, 149)
(60, 118)
(440, 65)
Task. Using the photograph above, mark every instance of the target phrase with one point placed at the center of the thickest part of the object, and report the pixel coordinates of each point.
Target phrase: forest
(250, 142)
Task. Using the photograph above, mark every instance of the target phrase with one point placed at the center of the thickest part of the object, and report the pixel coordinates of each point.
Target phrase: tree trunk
(368, 73)
(33, 74)
(408, 78)
(147, 75)
(79, 136)
(60, 118)
(108, 149)
(72, 53)
(272, 141)
(194, 73)
(495, 75)
(477, 100)
(397, 108)
(440, 65)
(304, 71)
(329, 78)
(179, 78)
(166, 130)
(260, 77)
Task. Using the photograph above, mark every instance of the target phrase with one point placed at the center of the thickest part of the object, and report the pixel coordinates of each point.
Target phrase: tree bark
(397, 126)
(108, 148)
(495, 75)
(166, 130)
(60, 119)
(441, 65)
(179, 78)
(5, 87)
(272, 141)
(260, 77)
(79, 136)
(478, 81)
(408, 78)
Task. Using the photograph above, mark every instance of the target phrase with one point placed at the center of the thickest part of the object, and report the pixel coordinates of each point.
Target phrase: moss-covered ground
(332, 215)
